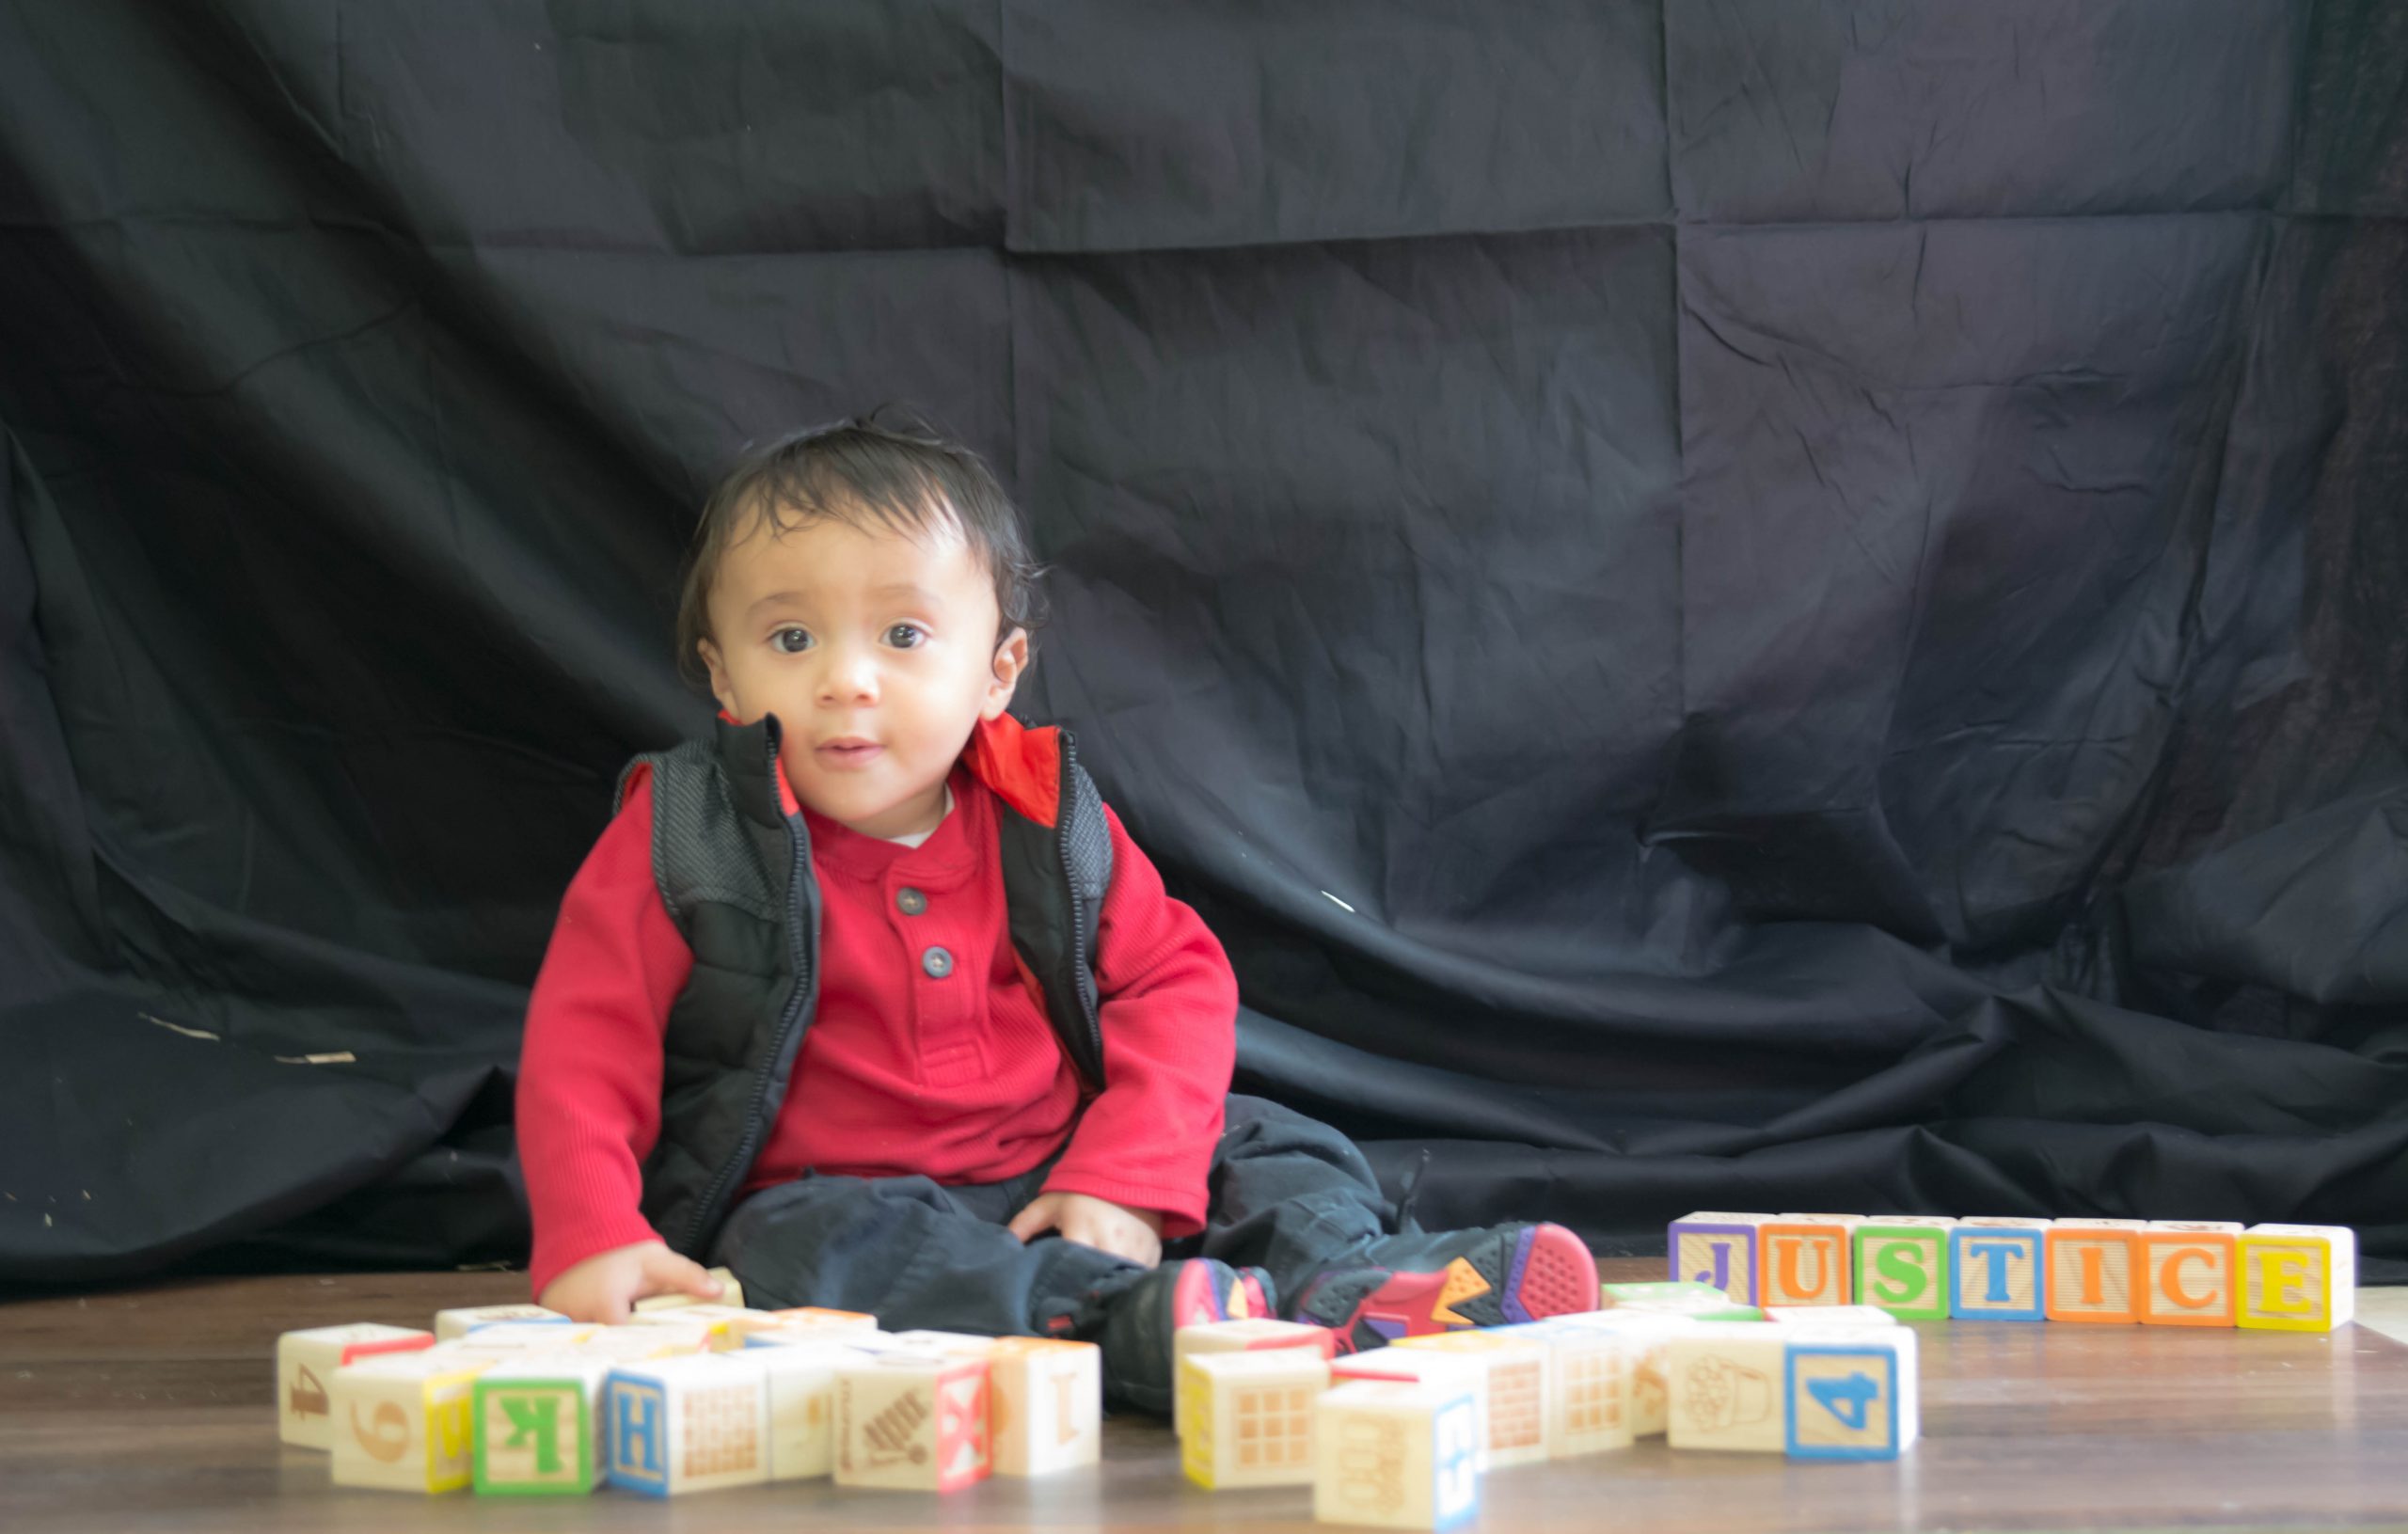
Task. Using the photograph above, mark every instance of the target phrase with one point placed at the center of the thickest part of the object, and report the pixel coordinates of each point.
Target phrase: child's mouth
(847, 756)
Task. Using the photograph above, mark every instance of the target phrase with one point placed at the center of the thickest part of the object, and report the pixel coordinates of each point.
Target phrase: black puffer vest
(735, 871)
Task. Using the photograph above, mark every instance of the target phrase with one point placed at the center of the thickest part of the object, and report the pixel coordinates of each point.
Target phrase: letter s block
(1902, 1266)
(2298, 1278)
(2189, 1273)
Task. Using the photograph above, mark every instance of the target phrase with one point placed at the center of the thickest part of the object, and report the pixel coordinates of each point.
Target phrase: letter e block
(306, 1362)
(1045, 1403)
(1995, 1269)
(1852, 1396)
(2188, 1272)
(2298, 1278)
(1717, 1249)
(1394, 1455)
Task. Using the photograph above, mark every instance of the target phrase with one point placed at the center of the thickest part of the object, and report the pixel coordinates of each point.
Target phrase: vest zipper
(1065, 802)
(796, 858)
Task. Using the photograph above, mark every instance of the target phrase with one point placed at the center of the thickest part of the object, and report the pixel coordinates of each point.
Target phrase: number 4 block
(2298, 1278)
(1852, 1396)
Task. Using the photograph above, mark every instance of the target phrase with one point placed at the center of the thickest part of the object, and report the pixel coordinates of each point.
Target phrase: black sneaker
(1448, 1281)
(1138, 1329)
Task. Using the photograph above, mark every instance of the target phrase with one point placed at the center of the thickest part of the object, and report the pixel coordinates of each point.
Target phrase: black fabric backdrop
(1739, 604)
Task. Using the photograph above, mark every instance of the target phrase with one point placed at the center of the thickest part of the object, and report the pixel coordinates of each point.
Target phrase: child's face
(850, 636)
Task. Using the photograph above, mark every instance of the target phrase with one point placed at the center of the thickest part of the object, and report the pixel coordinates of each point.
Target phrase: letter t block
(1996, 1273)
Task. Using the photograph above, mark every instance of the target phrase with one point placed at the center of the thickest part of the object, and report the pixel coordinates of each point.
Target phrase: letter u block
(1996, 1271)
(915, 1421)
(1717, 1249)
(1804, 1260)
(1392, 1454)
(2298, 1278)
(2094, 1271)
(2188, 1272)
(401, 1421)
(539, 1426)
(690, 1424)
(1250, 1416)
(1851, 1395)
(1045, 1403)
(1902, 1266)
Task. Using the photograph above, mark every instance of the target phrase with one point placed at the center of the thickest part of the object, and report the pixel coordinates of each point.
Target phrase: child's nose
(851, 673)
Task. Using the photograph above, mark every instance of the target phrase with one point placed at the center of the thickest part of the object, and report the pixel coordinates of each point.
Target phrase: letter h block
(1393, 1454)
(1717, 1249)
(1996, 1271)
(539, 1426)
(692, 1424)
(2094, 1271)
(1902, 1265)
(2298, 1278)
(2188, 1272)
(1804, 1260)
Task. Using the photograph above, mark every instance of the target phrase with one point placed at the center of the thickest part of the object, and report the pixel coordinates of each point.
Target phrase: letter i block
(1717, 1249)
(1852, 1396)
(1995, 1269)
(401, 1421)
(2188, 1271)
(2298, 1278)
(1804, 1260)
(1901, 1264)
(1521, 1387)
(306, 1362)
(690, 1424)
(914, 1421)
(2093, 1270)
(1727, 1386)
(1450, 1372)
(539, 1426)
(1046, 1404)
(1252, 1335)
(1394, 1455)
(1250, 1420)
(802, 1402)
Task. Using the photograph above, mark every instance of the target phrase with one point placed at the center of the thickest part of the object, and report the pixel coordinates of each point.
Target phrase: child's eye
(911, 636)
(778, 640)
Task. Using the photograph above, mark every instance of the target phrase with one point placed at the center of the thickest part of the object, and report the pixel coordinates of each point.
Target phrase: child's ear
(722, 686)
(1011, 660)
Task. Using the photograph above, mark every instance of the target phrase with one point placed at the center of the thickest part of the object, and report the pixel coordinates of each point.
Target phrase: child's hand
(1099, 1222)
(605, 1287)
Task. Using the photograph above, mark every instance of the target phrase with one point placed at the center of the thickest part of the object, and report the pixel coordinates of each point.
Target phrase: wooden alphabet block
(657, 1337)
(815, 1317)
(1678, 1297)
(2298, 1278)
(2093, 1272)
(401, 1421)
(1804, 1260)
(692, 1424)
(1250, 1416)
(1901, 1265)
(731, 1294)
(1521, 1389)
(1995, 1269)
(454, 1323)
(539, 1426)
(1046, 1402)
(1256, 1334)
(913, 1421)
(1394, 1454)
(1717, 1249)
(306, 1362)
(950, 1344)
(1828, 1316)
(1449, 1371)
(1728, 1387)
(1650, 1335)
(526, 1336)
(803, 1401)
(727, 1326)
(2189, 1272)
(1590, 1370)
(1851, 1395)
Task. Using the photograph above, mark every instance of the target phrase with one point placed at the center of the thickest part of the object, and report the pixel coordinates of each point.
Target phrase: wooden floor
(153, 1407)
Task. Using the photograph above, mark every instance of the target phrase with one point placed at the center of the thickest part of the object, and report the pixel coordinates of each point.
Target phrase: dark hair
(905, 475)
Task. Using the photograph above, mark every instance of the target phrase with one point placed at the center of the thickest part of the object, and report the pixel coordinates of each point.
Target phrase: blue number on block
(1846, 1399)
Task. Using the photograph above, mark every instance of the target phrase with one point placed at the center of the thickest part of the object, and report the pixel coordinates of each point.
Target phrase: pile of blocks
(519, 1400)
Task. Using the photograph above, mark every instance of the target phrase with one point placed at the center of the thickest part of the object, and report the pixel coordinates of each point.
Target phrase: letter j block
(1902, 1266)
(1717, 1249)
(2298, 1278)
(1995, 1269)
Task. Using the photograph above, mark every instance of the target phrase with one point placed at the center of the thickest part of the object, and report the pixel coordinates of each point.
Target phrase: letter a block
(1394, 1455)
(539, 1426)
(1902, 1266)
(2298, 1278)
(1727, 1386)
(1252, 1335)
(2188, 1272)
(913, 1421)
(690, 1424)
(1250, 1416)
(1851, 1396)
(1995, 1269)
(1046, 1403)
(1804, 1260)
(401, 1421)
(1717, 1249)
(306, 1362)
(2093, 1270)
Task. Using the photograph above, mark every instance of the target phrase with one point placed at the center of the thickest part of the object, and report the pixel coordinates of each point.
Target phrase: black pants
(1289, 1194)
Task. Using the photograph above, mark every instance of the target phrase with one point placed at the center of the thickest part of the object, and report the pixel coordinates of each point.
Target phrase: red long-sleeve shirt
(959, 1078)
